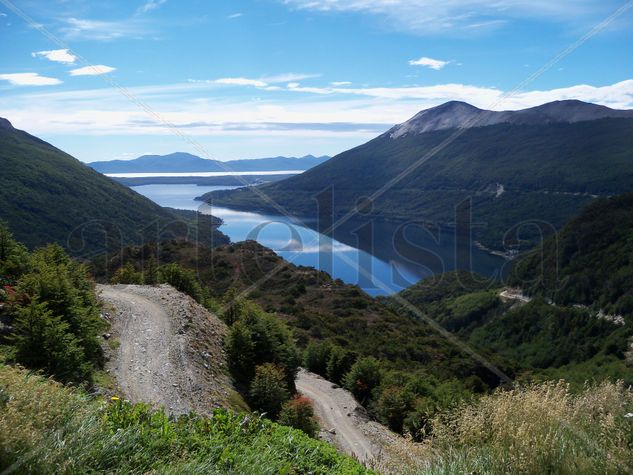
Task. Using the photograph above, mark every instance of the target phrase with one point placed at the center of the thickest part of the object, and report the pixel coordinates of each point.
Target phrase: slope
(542, 170)
(48, 196)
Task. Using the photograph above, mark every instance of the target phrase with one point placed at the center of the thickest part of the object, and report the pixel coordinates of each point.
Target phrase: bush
(127, 275)
(298, 413)
(269, 390)
(339, 363)
(182, 279)
(363, 378)
(316, 356)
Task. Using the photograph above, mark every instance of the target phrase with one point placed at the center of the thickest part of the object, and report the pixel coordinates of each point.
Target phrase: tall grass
(538, 429)
(48, 428)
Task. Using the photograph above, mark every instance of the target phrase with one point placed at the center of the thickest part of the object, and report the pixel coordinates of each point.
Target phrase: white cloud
(292, 85)
(93, 70)
(78, 28)
(235, 15)
(265, 82)
(427, 62)
(241, 82)
(200, 109)
(3, 14)
(432, 16)
(340, 83)
(150, 5)
(29, 79)
(58, 55)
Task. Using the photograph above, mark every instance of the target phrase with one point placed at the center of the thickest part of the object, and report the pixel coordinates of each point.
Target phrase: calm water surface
(393, 259)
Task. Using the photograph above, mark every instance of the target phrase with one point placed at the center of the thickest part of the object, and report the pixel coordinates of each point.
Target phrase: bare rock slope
(169, 349)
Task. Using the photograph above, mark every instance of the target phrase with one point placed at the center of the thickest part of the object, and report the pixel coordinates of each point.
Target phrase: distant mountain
(542, 163)
(457, 114)
(181, 162)
(48, 196)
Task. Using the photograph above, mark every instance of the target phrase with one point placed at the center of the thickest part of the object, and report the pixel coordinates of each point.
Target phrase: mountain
(457, 114)
(181, 162)
(48, 196)
(538, 165)
(589, 262)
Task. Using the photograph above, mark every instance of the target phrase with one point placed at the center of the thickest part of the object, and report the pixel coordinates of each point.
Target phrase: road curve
(336, 409)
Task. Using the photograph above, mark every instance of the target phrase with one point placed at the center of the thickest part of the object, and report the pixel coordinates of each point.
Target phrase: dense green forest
(48, 196)
(548, 172)
(589, 262)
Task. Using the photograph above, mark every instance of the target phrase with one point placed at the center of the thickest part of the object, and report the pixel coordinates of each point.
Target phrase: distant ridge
(182, 162)
(457, 114)
(541, 164)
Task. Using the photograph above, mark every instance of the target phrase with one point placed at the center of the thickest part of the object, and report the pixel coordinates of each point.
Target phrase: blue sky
(253, 78)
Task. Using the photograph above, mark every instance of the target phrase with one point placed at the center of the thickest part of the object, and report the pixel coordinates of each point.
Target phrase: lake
(382, 258)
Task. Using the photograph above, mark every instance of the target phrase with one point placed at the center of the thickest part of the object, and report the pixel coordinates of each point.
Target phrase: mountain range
(527, 170)
(48, 196)
(181, 162)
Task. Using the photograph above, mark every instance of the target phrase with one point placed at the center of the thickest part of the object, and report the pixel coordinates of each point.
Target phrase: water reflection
(380, 257)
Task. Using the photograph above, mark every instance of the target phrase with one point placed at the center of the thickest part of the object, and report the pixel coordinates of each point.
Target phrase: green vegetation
(537, 429)
(335, 323)
(589, 262)
(48, 196)
(548, 173)
(51, 310)
(47, 428)
(298, 413)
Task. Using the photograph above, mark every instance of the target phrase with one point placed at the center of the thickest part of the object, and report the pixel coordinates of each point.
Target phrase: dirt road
(169, 349)
(344, 422)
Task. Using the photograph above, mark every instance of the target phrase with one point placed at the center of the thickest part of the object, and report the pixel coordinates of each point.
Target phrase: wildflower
(114, 398)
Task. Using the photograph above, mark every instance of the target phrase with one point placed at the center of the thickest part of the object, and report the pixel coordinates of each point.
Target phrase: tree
(240, 354)
(127, 275)
(151, 276)
(182, 279)
(298, 413)
(233, 307)
(339, 364)
(269, 390)
(43, 341)
(363, 378)
(393, 406)
(316, 356)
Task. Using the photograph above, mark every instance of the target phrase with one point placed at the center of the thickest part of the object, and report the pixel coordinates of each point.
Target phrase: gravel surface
(344, 422)
(169, 349)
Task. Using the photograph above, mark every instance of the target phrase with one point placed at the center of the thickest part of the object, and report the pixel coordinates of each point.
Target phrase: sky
(229, 79)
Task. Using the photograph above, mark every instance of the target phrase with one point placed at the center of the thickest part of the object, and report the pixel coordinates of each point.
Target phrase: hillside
(575, 322)
(48, 196)
(544, 169)
(589, 262)
(181, 162)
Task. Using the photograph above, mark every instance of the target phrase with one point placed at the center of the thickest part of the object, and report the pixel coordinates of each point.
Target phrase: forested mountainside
(48, 196)
(538, 170)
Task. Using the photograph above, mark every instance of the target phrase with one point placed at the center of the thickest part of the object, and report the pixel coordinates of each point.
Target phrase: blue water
(377, 265)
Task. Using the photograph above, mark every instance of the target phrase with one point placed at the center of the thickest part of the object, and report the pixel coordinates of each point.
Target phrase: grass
(544, 428)
(48, 428)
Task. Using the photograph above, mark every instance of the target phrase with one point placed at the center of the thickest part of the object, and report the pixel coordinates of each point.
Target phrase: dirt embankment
(167, 349)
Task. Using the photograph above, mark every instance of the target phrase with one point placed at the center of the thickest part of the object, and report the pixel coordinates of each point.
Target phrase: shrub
(339, 363)
(269, 390)
(127, 275)
(316, 356)
(298, 413)
(363, 378)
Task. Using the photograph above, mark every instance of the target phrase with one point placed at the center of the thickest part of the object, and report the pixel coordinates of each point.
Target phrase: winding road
(338, 411)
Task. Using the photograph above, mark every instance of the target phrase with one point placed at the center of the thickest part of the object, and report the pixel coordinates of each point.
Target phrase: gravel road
(343, 421)
(169, 349)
